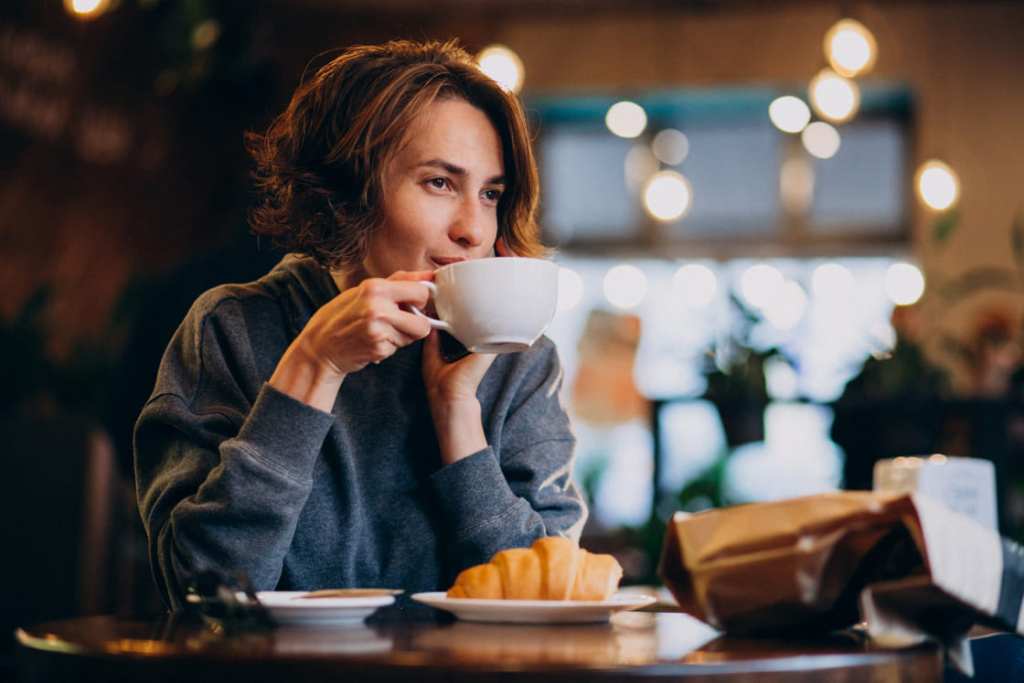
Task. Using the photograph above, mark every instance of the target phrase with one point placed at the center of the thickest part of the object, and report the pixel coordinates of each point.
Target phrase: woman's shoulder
(297, 286)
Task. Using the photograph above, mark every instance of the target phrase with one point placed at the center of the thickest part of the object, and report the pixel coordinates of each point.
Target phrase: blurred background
(791, 239)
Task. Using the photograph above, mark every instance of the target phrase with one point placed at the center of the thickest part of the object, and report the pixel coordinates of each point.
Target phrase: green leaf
(944, 225)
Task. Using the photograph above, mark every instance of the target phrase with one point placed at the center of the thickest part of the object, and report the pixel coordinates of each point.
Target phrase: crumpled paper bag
(911, 568)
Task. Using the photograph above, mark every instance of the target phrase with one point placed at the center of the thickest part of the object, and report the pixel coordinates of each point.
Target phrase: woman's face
(440, 193)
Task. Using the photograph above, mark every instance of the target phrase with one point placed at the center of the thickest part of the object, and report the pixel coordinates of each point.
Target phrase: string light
(850, 48)
(937, 185)
(626, 119)
(789, 114)
(86, 9)
(503, 66)
(667, 196)
(833, 97)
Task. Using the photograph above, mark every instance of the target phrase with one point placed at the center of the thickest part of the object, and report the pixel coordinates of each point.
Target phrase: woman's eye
(492, 195)
(438, 183)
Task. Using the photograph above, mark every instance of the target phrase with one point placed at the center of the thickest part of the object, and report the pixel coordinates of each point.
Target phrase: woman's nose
(468, 225)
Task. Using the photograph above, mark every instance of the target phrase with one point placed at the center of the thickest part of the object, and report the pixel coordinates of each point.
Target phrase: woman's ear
(500, 248)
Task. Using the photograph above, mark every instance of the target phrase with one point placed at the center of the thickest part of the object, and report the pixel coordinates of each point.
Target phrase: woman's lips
(441, 261)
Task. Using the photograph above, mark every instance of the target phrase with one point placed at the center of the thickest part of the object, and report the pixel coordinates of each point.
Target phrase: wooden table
(410, 644)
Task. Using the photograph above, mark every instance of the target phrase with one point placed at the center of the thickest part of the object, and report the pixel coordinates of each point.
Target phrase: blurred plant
(903, 370)
(991, 352)
(734, 368)
(735, 373)
(703, 492)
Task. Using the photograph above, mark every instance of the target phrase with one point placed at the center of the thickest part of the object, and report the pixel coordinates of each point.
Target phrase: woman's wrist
(459, 427)
(303, 376)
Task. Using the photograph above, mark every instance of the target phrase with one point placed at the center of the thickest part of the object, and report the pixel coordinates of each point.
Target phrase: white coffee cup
(495, 305)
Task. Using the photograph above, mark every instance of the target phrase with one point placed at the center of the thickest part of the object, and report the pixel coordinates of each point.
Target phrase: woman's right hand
(362, 325)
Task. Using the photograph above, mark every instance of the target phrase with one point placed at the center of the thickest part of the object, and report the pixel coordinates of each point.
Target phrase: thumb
(476, 364)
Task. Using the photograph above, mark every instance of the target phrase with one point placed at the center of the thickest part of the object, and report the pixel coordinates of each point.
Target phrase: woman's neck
(346, 277)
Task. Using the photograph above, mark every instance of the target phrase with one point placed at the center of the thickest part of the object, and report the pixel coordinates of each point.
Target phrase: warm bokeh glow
(786, 309)
(820, 140)
(86, 9)
(670, 146)
(695, 285)
(904, 283)
(833, 97)
(626, 119)
(789, 114)
(667, 196)
(796, 184)
(937, 185)
(760, 284)
(625, 286)
(570, 289)
(503, 66)
(832, 282)
(641, 164)
(850, 48)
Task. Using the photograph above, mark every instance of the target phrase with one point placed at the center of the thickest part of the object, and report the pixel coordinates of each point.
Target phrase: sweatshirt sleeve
(522, 490)
(221, 478)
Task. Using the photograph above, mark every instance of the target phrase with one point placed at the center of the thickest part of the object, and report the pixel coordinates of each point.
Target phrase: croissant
(554, 568)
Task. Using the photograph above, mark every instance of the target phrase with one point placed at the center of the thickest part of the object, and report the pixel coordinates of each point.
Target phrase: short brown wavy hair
(320, 165)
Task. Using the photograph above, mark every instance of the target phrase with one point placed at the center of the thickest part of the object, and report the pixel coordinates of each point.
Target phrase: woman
(304, 428)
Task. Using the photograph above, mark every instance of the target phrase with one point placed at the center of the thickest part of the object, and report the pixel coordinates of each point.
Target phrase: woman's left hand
(451, 393)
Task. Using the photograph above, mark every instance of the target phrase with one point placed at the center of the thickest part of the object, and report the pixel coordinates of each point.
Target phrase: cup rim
(517, 259)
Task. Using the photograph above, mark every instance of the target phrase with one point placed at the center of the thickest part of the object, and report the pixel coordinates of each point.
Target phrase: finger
(398, 328)
(382, 350)
(398, 291)
(410, 325)
(400, 275)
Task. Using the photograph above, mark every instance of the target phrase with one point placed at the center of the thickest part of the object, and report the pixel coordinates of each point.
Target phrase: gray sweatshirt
(234, 475)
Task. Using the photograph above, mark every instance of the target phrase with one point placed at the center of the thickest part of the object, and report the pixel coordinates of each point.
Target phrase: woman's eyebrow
(458, 170)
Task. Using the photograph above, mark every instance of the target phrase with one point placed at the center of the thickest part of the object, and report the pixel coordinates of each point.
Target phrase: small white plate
(535, 611)
(288, 607)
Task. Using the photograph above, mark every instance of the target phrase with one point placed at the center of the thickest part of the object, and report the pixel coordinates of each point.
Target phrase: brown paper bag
(908, 565)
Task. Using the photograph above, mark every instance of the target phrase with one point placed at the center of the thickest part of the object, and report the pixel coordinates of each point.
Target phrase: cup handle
(434, 322)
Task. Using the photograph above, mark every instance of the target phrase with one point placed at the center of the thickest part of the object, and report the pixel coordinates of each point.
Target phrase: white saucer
(535, 611)
(288, 607)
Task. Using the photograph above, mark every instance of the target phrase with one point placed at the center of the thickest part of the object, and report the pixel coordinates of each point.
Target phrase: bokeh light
(833, 97)
(670, 146)
(760, 283)
(883, 338)
(503, 65)
(86, 9)
(832, 282)
(667, 196)
(789, 114)
(850, 48)
(570, 289)
(786, 309)
(625, 286)
(695, 284)
(796, 184)
(626, 119)
(937, 185)
(820, 140)
(641, 164)
(904, 283)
